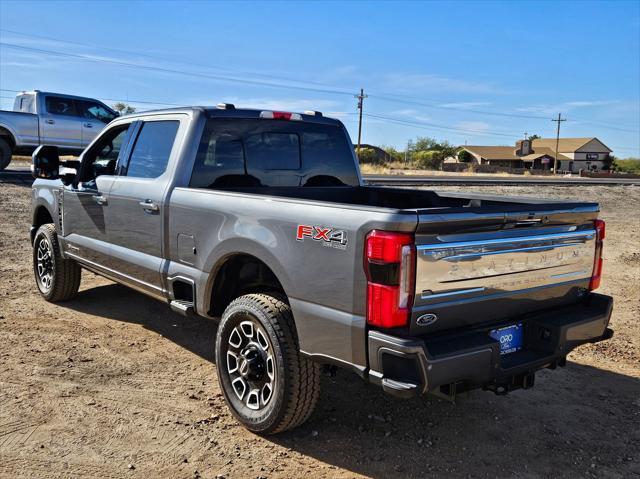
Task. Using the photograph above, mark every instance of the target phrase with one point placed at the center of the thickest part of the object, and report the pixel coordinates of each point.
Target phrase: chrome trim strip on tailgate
(500, 265)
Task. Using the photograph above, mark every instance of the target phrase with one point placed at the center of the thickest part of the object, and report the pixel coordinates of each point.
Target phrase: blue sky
(475, 72)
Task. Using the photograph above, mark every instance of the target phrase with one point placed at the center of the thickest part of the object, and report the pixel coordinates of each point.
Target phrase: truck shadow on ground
(577, 421)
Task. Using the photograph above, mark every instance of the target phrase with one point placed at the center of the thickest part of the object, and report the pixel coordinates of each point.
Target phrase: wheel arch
(236, 274)
(8, 135)
(41, 216)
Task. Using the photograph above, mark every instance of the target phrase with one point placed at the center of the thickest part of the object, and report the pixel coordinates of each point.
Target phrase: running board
(185, 308)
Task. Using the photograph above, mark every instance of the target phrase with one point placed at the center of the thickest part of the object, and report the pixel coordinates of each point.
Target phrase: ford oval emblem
(426, 319)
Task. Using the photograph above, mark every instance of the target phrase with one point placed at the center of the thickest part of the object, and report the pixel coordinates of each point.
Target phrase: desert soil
(114, 385)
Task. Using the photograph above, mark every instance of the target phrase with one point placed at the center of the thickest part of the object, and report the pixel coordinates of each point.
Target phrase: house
(574, 154)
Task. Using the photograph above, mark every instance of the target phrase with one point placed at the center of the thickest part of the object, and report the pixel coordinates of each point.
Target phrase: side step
(182, 307)
(399, 389)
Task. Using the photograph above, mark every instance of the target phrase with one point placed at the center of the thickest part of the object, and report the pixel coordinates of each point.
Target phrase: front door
(95, 117)
(83, 220)
(136, 206)
(60, 124)
(85, 204)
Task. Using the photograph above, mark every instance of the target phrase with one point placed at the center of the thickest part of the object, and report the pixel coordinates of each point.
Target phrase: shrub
(630, 165)
(367, 155)
(394, 155)
(428, 160)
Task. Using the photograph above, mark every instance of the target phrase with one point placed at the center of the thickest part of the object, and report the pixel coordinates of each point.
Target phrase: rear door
(60, 122)
(95, 116)
(135, 216)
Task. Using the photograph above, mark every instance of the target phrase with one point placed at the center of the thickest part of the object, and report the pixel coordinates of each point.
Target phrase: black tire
(57, 279)
(295, 382)
(5, 154)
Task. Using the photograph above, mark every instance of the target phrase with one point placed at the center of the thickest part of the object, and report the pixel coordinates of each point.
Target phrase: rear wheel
(269, 386)
(57, 279)
(5, 154)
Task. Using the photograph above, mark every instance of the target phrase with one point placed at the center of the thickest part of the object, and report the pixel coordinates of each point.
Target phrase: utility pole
(360, 98)
(555, 158)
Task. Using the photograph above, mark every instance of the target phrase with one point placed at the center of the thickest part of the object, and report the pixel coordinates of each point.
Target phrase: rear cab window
(57, 105)
(260, 152)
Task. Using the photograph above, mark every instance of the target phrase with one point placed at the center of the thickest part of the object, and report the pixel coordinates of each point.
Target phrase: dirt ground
(114, 385)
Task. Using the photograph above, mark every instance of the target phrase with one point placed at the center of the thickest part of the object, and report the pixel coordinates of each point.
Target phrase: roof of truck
(247, 113)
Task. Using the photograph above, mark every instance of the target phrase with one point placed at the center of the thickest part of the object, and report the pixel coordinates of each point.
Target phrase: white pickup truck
(43, 118)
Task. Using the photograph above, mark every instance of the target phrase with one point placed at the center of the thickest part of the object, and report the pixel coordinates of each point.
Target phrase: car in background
(44, 118)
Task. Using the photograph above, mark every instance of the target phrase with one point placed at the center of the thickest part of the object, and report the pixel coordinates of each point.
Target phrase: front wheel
(57, 279)
(269, 386)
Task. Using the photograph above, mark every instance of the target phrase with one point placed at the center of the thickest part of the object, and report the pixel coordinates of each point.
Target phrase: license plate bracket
(510, 338)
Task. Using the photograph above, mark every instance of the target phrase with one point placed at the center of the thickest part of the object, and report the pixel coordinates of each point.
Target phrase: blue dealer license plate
(510, 338)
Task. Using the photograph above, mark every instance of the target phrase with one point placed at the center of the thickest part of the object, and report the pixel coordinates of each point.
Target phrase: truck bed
(479, 258)
(419, 201)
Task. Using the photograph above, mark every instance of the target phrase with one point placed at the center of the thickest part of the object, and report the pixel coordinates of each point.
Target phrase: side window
(152, 149)
(95, 111)
(104, 156)
(60, 106)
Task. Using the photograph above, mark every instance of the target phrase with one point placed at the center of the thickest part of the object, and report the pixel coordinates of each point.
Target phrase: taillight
(390, 268)
(280, 115)
(597, 261)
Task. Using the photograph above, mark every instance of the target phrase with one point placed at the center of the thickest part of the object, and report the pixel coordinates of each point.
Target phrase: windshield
(251, 152)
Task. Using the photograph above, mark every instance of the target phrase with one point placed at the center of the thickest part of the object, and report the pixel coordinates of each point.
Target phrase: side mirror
(69, 171)
(45, 162)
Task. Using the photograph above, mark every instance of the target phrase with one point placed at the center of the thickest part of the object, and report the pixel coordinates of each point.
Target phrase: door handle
(149, 205)
(100, 199)
(50, 121)
(88, 125)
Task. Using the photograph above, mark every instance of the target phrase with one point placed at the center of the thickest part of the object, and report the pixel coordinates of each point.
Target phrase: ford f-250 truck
(43, 118)
(261, 219)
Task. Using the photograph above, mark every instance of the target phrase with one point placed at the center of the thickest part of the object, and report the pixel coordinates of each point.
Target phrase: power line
(156, 57)
(173, 71)
(426, 125)
(446, 107)
(142, 102)
(395, 98)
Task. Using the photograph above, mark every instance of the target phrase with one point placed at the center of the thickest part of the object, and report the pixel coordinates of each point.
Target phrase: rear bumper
(407, 367)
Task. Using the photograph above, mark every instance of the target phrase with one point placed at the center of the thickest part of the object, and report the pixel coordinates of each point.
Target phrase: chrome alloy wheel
(250, 365)
(44, 264)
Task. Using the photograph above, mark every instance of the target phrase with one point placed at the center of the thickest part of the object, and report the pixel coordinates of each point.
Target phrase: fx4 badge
(327, 236)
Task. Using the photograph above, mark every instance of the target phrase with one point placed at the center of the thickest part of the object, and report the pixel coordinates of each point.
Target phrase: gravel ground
(113, 384)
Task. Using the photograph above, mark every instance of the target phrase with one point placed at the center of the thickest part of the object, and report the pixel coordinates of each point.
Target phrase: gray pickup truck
(43, 118)
(260, 219)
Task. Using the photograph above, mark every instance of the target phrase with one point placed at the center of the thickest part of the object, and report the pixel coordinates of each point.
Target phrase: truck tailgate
(488, 267)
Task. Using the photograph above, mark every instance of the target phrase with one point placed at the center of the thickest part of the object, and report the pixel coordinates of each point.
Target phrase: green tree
(533, 137)
(124, 108)
(426, 144)
(465, 157)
